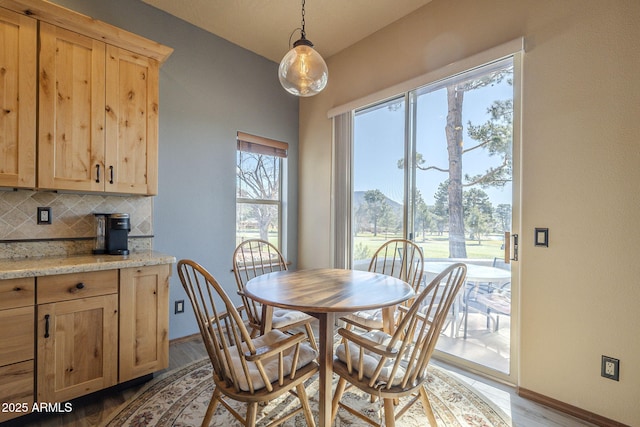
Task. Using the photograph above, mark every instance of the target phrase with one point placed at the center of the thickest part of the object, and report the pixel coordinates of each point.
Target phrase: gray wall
(209, 89)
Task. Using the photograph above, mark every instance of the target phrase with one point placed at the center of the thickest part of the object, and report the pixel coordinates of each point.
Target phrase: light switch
(542, 237)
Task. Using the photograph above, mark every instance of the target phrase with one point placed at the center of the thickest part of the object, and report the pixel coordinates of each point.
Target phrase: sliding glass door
(436, 166)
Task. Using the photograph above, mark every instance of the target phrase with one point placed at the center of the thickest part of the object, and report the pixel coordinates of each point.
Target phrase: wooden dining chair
(399, 258)
(246, 369)
(394, 366)
(253, 258)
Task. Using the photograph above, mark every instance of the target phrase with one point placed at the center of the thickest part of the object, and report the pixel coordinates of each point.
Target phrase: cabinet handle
(98, 173)
(111, 171)
(80, 285)
(46, 326)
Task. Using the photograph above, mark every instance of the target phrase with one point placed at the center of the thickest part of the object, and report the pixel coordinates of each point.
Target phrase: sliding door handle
(507, 247)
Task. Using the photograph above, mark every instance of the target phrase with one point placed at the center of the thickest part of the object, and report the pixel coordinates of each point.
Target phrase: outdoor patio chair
(255, 257)
(489, 300)
(394, 366)
(399, 258)
(245, 369)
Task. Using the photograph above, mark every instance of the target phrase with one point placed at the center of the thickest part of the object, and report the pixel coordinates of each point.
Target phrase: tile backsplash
(72, 220)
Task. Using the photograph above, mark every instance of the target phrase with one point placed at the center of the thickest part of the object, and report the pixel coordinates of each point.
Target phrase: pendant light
(302, 71)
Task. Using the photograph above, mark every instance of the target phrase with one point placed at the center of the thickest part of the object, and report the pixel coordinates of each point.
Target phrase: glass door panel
(463, 204)
(378, 200)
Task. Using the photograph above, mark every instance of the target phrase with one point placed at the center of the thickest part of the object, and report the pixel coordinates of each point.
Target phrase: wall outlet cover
(610, 368)
(44, 215)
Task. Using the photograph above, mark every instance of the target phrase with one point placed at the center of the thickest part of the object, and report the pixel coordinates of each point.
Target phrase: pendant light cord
(302, 30)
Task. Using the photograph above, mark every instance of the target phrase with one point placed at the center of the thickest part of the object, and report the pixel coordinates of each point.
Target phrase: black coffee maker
(112, 234)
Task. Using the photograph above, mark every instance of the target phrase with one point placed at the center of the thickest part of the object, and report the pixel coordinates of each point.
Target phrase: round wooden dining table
(325, 294)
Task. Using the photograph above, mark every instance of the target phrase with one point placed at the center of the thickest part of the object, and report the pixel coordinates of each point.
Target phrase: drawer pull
(46, 326)
(80, 285)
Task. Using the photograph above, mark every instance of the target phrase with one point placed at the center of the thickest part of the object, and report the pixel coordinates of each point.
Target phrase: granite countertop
(45, 266)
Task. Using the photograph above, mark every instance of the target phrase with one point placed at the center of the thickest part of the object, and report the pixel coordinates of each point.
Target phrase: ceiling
(265, 26)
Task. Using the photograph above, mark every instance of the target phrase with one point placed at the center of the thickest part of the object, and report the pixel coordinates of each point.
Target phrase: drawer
(16, 389)
(17, 292)
(64, 287)
(17, 335)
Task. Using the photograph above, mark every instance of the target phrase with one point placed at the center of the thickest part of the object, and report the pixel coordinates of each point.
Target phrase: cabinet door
(132, 123)
(144, 320)
(16, 335)
(71, 113)
(77, 351)
(16, 389)
(17, 100)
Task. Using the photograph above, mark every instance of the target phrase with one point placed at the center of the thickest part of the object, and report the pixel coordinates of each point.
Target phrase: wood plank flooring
(89, 411)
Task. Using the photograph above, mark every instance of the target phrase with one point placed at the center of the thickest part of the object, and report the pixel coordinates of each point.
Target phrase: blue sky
(379, 144)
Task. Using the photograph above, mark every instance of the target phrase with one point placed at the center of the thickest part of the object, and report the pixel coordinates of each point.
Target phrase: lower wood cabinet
(17, 299)
(144, 320)
(77, 350)
(67, 335)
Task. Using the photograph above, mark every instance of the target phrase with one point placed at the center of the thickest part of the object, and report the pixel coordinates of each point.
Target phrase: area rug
(179, 399)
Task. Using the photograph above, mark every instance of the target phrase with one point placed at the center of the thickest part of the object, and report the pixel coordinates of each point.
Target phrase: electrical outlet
(44, 215)
(610, 368)
(179, 307)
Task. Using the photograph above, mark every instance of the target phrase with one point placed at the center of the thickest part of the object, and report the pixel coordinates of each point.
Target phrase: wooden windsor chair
(399, 258)
(394, 366)
(253, 258)
(246, 369)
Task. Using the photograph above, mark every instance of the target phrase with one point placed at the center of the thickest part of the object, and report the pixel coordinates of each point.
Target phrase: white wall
(209, 89)
(580, 174)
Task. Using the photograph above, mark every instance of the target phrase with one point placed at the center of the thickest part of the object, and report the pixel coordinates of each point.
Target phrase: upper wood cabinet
(131, 122)
(17, 100)
(98, 103)
(98, 114)
(71, 134)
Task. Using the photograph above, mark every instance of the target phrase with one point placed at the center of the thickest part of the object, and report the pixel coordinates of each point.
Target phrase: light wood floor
(89, 411)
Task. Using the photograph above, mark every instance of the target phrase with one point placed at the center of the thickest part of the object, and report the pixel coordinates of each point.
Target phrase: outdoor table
(475, 274)
(325, 294)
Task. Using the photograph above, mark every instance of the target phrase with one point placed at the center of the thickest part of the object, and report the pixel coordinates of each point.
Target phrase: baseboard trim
(194, 337)
(568, 409)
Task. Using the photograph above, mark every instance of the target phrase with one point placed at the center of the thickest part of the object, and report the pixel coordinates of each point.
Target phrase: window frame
(247, 143)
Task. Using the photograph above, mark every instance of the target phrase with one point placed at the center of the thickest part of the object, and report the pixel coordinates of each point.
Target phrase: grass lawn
(433, 246)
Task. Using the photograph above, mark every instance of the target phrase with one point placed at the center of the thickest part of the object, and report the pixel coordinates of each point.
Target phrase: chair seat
(496, 302)
(372, 360)
(283, 318)
(369, 319)
(270, 339)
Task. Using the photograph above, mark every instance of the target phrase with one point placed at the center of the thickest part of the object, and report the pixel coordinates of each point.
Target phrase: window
(258, 188)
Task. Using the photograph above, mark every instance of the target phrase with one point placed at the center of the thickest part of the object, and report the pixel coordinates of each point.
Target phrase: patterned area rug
(180, 398)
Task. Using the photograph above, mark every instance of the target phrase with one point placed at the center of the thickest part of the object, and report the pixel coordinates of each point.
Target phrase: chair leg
(211, 408)
(252, 414)
(304, 401)
(389, 413)
(428, 410)
(342, 383)
(311, 336)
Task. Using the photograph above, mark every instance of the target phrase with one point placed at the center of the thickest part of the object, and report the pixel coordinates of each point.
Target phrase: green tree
(503, 217)
(478, 213)
(441, 207)
(423, 215)
(376, 207)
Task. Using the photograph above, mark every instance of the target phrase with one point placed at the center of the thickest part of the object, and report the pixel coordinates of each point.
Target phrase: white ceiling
(265, 26)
